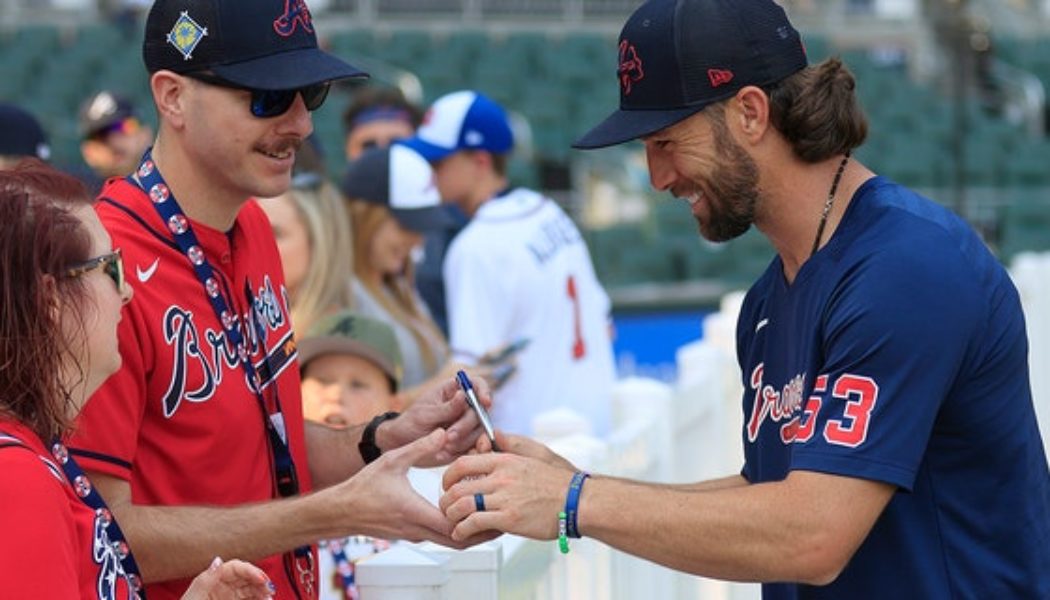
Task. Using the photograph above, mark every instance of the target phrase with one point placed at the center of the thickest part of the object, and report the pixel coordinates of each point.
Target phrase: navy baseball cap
(678, 56)
(402, 180)
(22, 134)
(102, 111)
(463, 120)
(260, 44)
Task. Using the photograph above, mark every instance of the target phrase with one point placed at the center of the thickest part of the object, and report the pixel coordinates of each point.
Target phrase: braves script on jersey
(52, 534)
(178, 421)
(899, 355)
(520, 269)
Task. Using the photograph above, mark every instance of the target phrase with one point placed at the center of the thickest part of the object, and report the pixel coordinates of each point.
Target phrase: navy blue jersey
(899, 355)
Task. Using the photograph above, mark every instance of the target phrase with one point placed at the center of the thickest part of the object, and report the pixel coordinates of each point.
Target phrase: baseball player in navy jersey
(890, 442)
(198, 441)
(519, 271)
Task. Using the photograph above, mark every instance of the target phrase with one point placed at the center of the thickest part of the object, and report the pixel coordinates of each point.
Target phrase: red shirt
(178, 421)
(55, 547)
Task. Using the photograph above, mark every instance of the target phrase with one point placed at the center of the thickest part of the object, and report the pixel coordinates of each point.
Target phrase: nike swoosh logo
(761, 324)
(145, 276)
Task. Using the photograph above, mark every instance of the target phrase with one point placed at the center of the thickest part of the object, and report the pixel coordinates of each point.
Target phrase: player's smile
(696, 198)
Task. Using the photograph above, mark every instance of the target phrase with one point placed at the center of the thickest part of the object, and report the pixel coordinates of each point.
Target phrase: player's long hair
(326, 286)
(40, 238)
(817, 111)
(397, 291)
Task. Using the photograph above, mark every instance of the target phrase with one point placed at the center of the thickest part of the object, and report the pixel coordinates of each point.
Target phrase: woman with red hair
(62, 287)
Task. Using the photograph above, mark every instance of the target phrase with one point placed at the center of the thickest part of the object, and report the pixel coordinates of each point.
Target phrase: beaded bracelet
(563, 542)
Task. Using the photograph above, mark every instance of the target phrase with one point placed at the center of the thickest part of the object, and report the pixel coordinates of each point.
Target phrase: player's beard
(733, 184)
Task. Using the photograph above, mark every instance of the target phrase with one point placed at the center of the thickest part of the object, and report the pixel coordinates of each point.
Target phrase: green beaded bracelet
(563, 539)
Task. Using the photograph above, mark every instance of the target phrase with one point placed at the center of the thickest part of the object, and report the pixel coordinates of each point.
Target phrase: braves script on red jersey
(58, 547)
(178, 421)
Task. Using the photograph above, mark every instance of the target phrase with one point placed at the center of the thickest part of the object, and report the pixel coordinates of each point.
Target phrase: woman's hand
(230, 580)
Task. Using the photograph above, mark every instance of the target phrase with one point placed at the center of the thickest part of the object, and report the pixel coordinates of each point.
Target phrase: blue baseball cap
(260, 44)
(678, 56)
(463, 120)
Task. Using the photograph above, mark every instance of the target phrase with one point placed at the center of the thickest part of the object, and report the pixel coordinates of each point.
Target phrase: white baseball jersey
(521, 269)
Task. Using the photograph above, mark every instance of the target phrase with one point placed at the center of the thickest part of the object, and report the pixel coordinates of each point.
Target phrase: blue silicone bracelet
(572, 502)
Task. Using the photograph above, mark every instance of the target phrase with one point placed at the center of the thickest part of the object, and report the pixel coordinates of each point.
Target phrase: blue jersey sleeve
(895, 334)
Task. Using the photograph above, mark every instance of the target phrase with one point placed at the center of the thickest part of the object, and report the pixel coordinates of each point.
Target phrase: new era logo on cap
(464, 120)
(719, 76)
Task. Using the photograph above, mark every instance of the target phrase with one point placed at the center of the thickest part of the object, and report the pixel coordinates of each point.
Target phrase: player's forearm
(722, 483)
(764, 532)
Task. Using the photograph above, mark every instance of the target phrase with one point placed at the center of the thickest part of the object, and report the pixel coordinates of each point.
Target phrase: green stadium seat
(353, 43)
(1029, 164)
(1025, 224)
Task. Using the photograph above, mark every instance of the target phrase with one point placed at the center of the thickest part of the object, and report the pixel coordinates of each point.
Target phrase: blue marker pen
(472, 400)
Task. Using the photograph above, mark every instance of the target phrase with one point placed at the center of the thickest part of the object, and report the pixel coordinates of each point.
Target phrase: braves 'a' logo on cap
(719, 76)
(630, 66)
(295, 13)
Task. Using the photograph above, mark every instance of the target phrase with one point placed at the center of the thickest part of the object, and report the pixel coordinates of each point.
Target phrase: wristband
(367, 446)
(572, 501)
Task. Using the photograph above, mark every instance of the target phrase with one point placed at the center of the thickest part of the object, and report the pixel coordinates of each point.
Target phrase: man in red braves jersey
(201, 430)
(890, 441)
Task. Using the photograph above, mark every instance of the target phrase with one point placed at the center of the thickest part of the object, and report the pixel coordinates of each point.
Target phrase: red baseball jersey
(57, 547)
(179, 421)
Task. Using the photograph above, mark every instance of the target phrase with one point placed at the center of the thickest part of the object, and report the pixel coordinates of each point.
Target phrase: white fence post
(402, 573)
(1031, 274)
(473, 573)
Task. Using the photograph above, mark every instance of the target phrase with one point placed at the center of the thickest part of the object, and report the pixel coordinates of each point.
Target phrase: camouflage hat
(347, 332)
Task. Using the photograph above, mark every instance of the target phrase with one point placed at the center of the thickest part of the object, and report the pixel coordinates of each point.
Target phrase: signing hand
(443, 406)
(523, 446)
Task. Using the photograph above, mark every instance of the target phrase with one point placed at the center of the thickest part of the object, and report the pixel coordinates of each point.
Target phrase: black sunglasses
(111, 264)
(271, 103)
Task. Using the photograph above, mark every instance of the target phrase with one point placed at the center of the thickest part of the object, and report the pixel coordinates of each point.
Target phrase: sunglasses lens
(115, 269)
(271, 103)
(314, 95)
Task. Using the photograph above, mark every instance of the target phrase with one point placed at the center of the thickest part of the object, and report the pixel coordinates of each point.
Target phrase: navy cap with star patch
(678, 56)
(260, 44)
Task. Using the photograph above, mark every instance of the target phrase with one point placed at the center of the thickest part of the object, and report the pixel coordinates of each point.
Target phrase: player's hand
(230, 580)
(522, 495)
(523, 446)
(445, 407)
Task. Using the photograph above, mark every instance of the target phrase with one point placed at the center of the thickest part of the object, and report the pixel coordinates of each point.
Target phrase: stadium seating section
(561, 83)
